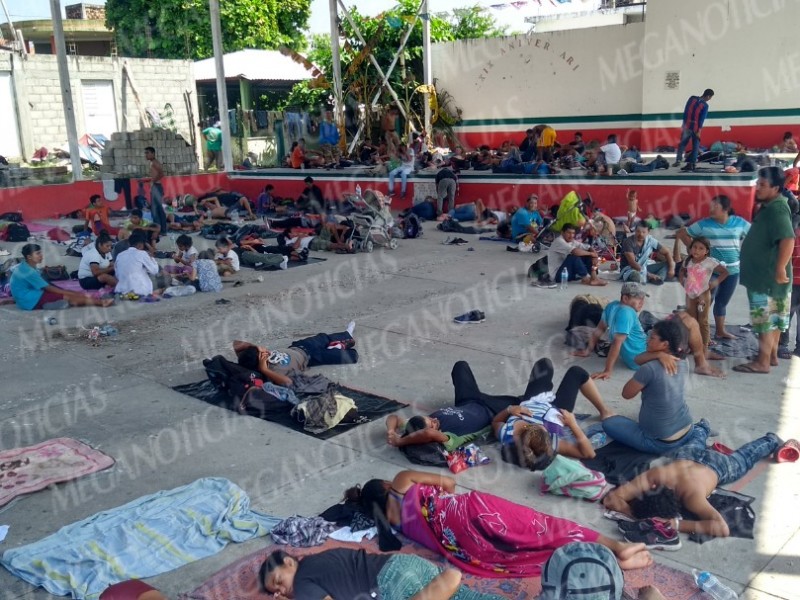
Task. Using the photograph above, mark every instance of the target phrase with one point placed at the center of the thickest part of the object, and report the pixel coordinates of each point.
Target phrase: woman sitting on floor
(31, 292)
(480, 533)
(542, 426)
(348, 573)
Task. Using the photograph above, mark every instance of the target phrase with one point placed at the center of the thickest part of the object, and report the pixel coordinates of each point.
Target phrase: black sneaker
(688, 168)
(658, 537)
(677, 163)
(473, 316)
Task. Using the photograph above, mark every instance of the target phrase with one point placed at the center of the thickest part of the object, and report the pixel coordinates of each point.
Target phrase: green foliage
(384, 33)
(305, 97)
(182, 28)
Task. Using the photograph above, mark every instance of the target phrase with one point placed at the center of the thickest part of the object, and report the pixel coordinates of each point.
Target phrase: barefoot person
(479, 533)
(629, 342)
(577, 259)
(31, 292)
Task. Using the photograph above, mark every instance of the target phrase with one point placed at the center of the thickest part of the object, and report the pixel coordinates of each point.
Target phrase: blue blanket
(143, 538)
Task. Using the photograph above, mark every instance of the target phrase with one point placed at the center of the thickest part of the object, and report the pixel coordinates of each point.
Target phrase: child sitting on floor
(204, 273)
(227, 260)
(184, 257)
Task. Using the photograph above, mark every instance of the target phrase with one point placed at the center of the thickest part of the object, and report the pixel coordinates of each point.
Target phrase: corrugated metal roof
(255, 65)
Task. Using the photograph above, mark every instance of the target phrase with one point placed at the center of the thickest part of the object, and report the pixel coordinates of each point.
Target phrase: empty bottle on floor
(712, 586)
(564, 279)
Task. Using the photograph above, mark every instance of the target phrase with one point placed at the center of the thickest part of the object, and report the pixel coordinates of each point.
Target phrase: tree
(182, 28)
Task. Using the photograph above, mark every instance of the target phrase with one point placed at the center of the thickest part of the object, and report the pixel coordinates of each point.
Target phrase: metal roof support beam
(338, 106)
(222, 89)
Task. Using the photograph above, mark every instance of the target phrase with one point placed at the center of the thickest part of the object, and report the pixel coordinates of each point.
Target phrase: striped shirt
(694, 113)
(726, 240)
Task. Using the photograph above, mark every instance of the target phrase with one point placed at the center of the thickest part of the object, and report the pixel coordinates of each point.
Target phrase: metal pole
(426, 65)
(338, 107)
(222, 90)
(10, 25)
(66, 90)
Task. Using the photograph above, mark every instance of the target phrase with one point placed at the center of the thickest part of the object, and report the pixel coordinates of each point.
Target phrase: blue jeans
(686, 135)
(465, 212)
(424, 210)
(319, 354)
(577, 267)
(629, 432)
(728, 468)
(157, 208)
(403, 172)
(722, 295)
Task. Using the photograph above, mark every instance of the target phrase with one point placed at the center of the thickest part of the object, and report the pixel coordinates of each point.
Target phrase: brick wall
(38, 94)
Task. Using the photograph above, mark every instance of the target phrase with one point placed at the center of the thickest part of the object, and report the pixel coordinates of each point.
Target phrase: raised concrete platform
(117, 397)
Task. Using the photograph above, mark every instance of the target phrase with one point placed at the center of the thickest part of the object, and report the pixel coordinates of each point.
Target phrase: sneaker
(512, 248)
(622, 172)
(459, 242)
(677, 163)
(688, 168)
(546, 285)
(641, 525)
(285, 263)
(473, 316)
(656, 536)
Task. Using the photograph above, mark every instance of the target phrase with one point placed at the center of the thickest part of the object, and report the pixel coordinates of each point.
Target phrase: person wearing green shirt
(765, 269)
(213, 137)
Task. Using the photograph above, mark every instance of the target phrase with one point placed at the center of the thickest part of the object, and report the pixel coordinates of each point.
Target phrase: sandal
(748, 368)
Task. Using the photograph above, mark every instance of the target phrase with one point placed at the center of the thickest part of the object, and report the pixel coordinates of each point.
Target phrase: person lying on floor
(183, 216)
(543, 425)
(472, 412)
(688, 480)
(629, 342)
(30, 291)
(475, 530)
(278, 366)
(665, 422)
(221, 202)
(345, 573)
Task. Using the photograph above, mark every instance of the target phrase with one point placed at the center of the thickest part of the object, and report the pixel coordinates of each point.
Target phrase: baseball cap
(633, 288)
(582, 570)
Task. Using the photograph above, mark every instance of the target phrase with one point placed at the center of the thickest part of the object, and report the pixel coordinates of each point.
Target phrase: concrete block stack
(124, 153)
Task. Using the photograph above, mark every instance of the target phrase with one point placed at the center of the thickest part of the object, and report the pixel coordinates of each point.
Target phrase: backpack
(17, 232)
(231, 377)
(569, 477)
(14, 217)
(539, 270)
(56, 273)
(582, 570)
(412, 228)
(431, 454)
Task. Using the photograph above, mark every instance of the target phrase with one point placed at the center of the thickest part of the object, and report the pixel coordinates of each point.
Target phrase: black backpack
(412, 228)
(431, 454)
(17, 232)
(14, 217)
(231, 377)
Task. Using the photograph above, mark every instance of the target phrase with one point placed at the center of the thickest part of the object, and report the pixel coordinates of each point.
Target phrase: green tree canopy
(182, 28)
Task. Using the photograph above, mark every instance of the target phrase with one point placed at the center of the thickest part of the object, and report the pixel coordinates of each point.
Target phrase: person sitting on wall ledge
(788, 144)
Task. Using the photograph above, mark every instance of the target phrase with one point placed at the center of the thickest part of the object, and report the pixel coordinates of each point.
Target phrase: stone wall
(40, 110)
(124, 154)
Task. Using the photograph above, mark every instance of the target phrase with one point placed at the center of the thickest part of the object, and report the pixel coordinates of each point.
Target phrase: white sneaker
(285, 263)
(4, 252)
(351, 327)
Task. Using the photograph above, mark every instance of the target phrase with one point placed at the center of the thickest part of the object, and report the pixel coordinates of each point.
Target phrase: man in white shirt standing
(580, 263)
(134, 267)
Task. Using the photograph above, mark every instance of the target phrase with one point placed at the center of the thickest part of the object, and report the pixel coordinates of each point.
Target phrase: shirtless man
(689, 479)
(156, 189)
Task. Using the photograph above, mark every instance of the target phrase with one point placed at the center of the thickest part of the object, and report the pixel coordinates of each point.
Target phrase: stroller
(570, 210)
(372, 222)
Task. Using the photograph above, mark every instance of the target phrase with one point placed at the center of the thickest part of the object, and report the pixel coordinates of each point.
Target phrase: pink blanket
(73, 285)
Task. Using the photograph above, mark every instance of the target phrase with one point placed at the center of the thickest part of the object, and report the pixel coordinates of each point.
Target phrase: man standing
(213, 137)
(765, 269)
(694, 115)
(580, 262)
(156, 189)
(636, 252)
(329, 140)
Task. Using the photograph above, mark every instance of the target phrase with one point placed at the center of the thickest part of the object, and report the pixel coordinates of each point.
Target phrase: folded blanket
(144, 538)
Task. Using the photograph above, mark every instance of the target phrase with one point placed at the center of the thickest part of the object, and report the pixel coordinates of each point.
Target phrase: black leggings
(540, 380)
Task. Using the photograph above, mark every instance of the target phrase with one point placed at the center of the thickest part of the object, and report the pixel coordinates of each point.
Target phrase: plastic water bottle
(713, 586)
(358, 191)
(564, 279)
(50, 320)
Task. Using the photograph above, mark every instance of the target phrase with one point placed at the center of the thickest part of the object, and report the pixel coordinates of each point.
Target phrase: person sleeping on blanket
(278, 366)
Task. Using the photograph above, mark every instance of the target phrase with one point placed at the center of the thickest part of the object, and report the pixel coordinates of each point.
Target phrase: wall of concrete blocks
(40, 112)
(124, 154)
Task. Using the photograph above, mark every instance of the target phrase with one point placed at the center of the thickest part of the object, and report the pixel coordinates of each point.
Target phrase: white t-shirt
(409, 164)
(133, 269)
(500, 215)
(233, 256)
(189, 255)
(558, 252)
(304, 242)
(612, 152)
(92, 255)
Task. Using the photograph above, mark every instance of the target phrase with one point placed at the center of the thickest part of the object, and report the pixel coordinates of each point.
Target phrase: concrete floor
(117, 397)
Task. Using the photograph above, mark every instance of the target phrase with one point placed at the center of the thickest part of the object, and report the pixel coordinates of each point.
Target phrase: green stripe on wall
(712, 115)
